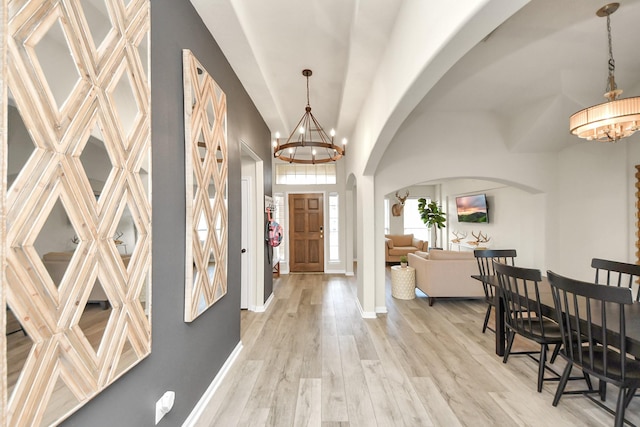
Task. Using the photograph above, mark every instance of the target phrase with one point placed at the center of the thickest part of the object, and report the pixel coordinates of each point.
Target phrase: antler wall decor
(459, 236)
(480, 238)
(396, 209)
(117, 236)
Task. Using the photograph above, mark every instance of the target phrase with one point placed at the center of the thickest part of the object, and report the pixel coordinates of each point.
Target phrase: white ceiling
(544, 63)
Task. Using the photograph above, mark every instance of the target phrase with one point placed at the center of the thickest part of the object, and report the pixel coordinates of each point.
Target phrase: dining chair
(485, 259)
(587, 311)
(519, 288)
(620, 274)
(615, 273)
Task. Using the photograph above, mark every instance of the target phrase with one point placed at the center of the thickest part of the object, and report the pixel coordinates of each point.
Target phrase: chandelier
(308, 143)
(612, 120)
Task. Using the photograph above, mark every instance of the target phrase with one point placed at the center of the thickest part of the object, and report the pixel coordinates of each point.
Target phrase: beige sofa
(56, 264)
(397, 245)
(446, 274)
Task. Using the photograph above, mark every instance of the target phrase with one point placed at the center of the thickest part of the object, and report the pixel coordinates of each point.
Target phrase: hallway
(312, 360)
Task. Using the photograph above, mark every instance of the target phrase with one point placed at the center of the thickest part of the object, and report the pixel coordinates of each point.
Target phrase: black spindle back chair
(485, 259)
(586, 311)
(615, 273)
(519, 288)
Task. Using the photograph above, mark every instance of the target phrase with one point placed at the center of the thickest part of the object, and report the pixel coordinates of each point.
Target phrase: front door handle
(243, 250)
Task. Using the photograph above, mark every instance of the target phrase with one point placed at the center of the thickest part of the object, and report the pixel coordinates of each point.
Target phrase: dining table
(632, 317)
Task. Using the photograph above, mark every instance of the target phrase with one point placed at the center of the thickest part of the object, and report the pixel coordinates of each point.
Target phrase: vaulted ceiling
(532, 72)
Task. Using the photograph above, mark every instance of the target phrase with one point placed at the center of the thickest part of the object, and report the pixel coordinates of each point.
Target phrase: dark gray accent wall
(185, 357)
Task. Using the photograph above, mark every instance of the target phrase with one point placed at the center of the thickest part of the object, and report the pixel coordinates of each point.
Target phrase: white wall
(558, 210)
(512, 216)
(593, 206)
(396, 223)
(419, 52)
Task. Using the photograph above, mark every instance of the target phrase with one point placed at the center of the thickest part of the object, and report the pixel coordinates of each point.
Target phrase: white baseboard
(365, 314)
(382, 310)
(350, 273)
(193, 418)
(341, 271)
(265, 306)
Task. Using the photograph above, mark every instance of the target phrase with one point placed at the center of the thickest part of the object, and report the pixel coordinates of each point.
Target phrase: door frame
(255, 288)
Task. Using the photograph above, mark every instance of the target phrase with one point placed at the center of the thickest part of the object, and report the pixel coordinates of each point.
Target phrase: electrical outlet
(164, 405)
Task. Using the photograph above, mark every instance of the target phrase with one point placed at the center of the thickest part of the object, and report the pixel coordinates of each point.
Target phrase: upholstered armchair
(397, 245)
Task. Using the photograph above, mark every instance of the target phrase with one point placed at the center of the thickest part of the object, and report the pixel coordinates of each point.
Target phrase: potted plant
(432, 216)
(403, 261)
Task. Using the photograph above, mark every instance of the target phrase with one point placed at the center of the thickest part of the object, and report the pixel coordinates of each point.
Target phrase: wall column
(348, 230)
(366, 246)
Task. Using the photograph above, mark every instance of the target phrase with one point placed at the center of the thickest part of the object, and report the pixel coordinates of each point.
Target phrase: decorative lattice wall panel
(637, 193)
(3, 193)
(76, 202)
(205, 106)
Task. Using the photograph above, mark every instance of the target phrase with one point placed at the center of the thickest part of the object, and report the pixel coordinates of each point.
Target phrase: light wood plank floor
(311, 360)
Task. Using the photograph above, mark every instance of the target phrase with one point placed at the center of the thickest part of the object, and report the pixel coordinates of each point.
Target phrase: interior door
(306, 234)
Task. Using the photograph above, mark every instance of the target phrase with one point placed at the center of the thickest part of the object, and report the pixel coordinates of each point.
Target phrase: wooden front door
(306, 234)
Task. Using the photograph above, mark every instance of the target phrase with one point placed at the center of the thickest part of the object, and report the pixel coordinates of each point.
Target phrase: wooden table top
(632, 313)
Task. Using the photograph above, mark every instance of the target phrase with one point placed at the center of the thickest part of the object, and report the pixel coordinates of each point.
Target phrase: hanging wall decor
(205, 111)
(75, 202)
(637, 194)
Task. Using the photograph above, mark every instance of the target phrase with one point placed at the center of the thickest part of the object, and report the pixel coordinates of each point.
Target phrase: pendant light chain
(308, 104)
(611, 83)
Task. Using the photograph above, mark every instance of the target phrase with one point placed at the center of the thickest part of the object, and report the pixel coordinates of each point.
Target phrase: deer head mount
(459, 236)
(396, 209)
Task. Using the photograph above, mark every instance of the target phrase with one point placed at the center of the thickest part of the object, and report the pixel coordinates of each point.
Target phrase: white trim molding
(195, 415)
(365, 314)
(265, 306)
